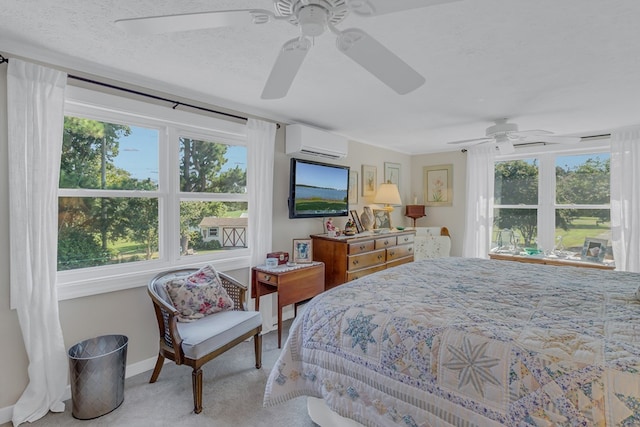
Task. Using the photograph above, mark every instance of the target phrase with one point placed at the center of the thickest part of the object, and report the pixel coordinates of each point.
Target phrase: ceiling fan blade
(379, 61)
(554, 139)
(471, 141)
(381, 7)
(287, 64)
(533, 132)
(193, 21)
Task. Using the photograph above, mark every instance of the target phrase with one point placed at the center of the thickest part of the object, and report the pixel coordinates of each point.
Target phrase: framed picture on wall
(369, 180)
(392, 173)
(438, 185)
(353, 186)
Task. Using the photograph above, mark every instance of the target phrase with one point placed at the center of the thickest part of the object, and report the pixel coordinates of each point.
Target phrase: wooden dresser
(350, 257)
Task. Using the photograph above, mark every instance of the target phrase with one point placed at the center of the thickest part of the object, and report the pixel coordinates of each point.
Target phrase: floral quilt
(470, 342)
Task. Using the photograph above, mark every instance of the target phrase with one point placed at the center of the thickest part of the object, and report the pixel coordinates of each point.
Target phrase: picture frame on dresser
(382, 219)
(356, 221)
(302, 251)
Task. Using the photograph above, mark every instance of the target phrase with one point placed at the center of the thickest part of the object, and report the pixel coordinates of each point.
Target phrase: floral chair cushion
(198, 295)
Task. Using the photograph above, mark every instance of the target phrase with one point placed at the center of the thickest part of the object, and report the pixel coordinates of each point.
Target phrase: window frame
(546, 207)
(171, 124)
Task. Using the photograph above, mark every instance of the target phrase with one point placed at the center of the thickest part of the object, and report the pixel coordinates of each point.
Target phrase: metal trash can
(97, 367)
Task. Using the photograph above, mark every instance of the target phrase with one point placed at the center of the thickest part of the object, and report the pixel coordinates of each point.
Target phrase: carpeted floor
(233, 393)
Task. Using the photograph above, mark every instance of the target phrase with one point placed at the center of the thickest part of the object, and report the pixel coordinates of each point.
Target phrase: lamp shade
(388, 194)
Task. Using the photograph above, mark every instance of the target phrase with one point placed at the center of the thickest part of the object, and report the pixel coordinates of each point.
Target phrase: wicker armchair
(195, 343)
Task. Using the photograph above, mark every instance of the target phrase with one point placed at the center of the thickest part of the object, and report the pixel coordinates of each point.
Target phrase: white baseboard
(6, 414)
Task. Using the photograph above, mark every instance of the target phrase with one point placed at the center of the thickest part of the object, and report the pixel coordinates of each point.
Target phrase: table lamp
(388, 195)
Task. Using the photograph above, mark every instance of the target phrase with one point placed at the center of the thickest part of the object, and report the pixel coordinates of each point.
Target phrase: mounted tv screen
(318, 189)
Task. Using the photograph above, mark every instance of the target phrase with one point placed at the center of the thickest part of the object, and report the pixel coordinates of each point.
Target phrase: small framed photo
(382, 219)
(356, 221)
(594, 249)
(302, 251)
(369, 180)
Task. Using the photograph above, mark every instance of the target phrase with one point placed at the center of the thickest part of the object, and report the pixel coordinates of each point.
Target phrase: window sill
(72, 286)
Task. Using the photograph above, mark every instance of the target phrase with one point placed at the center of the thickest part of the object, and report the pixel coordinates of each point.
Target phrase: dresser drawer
(400, 251)
(407, 238)
(353, 275)
(385, 242)
(356, 262)
(400, 261)
(360, 247)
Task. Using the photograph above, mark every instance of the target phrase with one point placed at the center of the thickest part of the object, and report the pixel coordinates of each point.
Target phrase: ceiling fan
(313, 17)
(506, 135)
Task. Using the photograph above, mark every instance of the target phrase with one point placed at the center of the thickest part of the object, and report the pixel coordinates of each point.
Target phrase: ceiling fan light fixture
(313, 20)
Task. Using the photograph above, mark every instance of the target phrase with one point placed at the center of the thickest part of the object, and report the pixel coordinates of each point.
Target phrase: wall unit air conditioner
(314, 142)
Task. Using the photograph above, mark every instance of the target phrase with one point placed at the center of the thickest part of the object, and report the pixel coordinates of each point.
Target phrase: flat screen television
(318, 189)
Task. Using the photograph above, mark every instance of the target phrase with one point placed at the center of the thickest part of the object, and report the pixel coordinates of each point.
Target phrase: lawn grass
(581, 228)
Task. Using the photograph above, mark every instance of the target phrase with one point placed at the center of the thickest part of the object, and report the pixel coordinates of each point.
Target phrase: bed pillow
(198, 295)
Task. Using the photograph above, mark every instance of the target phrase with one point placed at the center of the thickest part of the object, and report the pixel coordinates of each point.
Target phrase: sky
(139, 154)
(322, 176)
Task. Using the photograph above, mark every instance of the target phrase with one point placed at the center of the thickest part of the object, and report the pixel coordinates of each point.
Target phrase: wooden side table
(414, 212)
(293, 285)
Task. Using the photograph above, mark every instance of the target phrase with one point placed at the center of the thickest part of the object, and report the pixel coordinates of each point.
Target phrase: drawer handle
(406, 239)
(362, 247)
(267, 277)
(410, 249)
(392, 253)
(386, 242)
(355, 262)
(380, 256)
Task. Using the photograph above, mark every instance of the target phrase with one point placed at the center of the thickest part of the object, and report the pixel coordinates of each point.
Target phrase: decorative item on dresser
(348, 258)
(367, 218)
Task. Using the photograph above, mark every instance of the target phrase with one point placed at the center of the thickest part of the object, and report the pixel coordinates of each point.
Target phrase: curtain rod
(148, 95)
(582, 138)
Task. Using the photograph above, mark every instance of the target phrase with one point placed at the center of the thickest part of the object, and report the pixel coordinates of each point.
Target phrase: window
(516, 201)
(553, 200)
(108, 205)
(143, 187)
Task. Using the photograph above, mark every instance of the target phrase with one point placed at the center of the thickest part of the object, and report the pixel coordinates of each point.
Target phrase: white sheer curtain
(479, 218)
(261, 138)
(625, 198)
(35, 97)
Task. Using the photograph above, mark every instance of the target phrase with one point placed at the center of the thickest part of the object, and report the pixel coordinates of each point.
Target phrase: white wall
(452, 217)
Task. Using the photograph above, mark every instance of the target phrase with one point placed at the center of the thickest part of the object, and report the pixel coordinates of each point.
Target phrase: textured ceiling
(568, 66)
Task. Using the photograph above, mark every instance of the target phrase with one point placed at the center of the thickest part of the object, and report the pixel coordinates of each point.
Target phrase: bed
(470, 342)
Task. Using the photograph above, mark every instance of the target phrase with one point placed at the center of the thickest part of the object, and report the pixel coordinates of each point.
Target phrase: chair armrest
(167, 317)
(236, 290)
